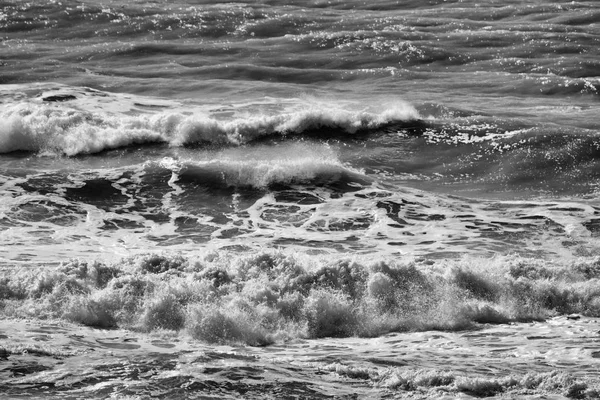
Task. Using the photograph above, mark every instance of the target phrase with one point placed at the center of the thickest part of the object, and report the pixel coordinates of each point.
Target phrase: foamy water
(304, 200)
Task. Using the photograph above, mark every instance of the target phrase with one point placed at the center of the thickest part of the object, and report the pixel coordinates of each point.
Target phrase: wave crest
(262, 166)
(54, 129)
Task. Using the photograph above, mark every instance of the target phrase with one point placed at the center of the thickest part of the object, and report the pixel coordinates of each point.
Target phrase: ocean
(318, 199)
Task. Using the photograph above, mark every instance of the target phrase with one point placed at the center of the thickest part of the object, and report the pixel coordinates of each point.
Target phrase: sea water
(359, 188)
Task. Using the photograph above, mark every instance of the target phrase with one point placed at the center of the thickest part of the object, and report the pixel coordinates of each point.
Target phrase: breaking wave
(68, 131)
(262, 297)
(260, 167)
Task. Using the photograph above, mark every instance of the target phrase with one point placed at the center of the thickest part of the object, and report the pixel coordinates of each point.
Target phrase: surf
(83, 121)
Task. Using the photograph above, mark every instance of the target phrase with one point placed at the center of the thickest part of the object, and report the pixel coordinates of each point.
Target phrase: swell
(260, 174)
(489, 154)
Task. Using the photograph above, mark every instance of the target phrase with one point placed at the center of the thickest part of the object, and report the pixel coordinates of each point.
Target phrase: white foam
(90, 123)
(47, 129)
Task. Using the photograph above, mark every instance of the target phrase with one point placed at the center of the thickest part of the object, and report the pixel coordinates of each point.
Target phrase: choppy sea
(316, 199)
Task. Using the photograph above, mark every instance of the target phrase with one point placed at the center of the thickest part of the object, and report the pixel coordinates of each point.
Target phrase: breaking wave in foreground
(266, 297)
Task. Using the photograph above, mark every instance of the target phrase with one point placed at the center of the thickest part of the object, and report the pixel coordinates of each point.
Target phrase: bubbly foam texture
(266, 296)
(85, 124)
(495, 360)
(297, 194)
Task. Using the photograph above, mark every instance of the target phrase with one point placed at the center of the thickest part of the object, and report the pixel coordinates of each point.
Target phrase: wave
(435, 381)
(260, 297)
(261, 167)
(66, 130)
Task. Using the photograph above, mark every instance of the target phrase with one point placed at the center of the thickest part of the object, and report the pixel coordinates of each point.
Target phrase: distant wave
(62, 130)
